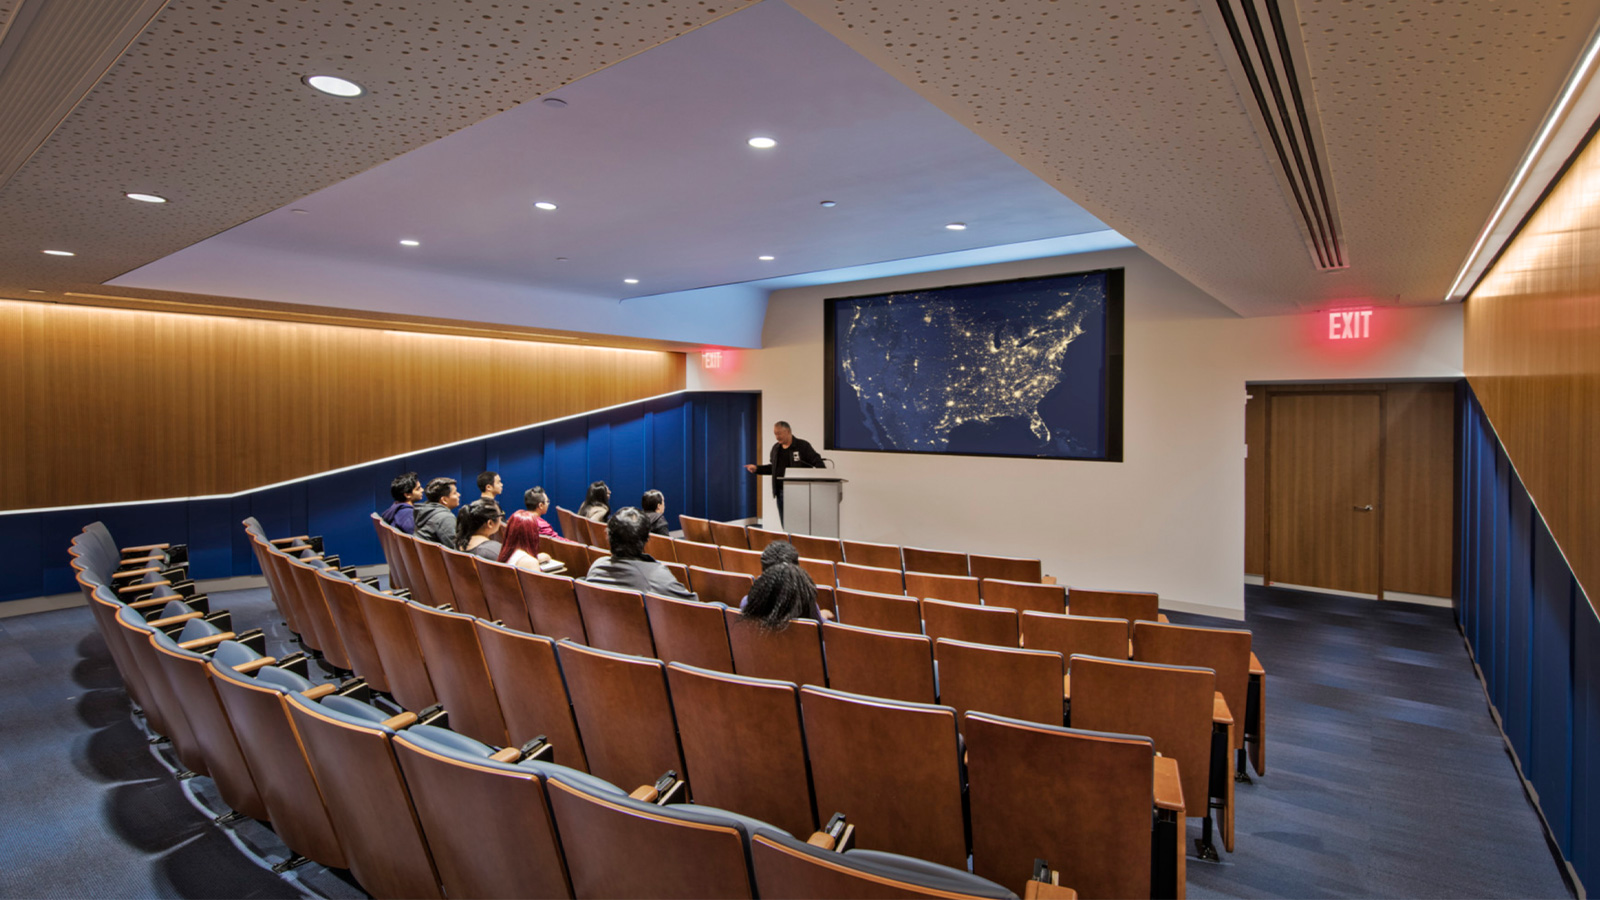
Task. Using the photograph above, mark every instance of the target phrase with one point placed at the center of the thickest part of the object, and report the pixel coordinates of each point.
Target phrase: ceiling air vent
(1260, 40)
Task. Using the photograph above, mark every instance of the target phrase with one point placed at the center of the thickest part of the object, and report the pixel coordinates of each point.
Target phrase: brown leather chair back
(1018, 684)
(746, 562)
(1095, 826)
(969, 622)
(727, 534)
(793, 870)
(618, 848)
(503, 594)
(1067, 635)
(696, 553)
(449, 642)
(894, 769)
(870, 578)
(1130, 605)
(596, 534)
(213, 733)
(1172, 705)
(391, 556)
(416, 578)
(533, 698)
(877, 663)
(791, 654)
(614, 618)
(569, 553)
(624, 714)
(552, 606)
(116, 638)
(488, 827)
(660, 547)
(174, 724)
(760, 537)
(463, 569)
(1024, 596)
(821, 571)
(935, 562)
(304, 578)
(282, 593)
(1009, 568)
(689, 632)
(345, 608)
(1225, 651)
(885, 612)
(593, 554)
(954, 588)
(716, 586)
(436, 573)
(813, 547)
(367, 801)
(571, 527)
(879, 556)
(680, 573)
(396, 643)
(696, 529)
(825, 599)
(722, 718)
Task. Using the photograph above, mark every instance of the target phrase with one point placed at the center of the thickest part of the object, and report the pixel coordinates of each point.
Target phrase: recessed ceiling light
(35, 291)
(544, 204)
(145, 198)
(300, 212)
(630, 281)
(561, 259)
(762, 143)
(554, 102)
(338, 87)
(957, 226)
(766, 258)
(830, 204)
(60, 253)
(408, 242)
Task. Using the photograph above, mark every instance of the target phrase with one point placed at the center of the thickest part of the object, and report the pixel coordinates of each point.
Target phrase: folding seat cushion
(624, 713)
(935, 562)
(793, 653)
(951, 588)
(787, 868)
(696, 529)
(533, 695)
(970, 622)
(1067, 635)
(552, 606)
(881, 556)
(502, 592)
(870, 578)
(714, 586)
(690, 632)
(694, 553)
(812, 547)
(884, 612)
(726, 534)
(614, 618)
(884, 664)
(1023, 596)
(344, 606)
(1009, 568)
(463, 571)
(213, 733)
(747, 562)
(395, 640)
(1021, 684)
(449, 642)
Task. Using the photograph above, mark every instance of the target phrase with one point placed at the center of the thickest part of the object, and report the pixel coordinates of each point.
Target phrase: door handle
(1367, 508)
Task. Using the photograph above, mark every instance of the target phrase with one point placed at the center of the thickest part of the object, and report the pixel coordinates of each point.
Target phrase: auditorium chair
(934, 562)
(825, 600)
(660, 548)
(298, 544)
(689, 632)
(695, 553)
(680, 574)
(787, 868)
(1066, 635)
(306, 587)
(597, 534)
(169, 711)
(969, 622)
(821, 571)
(792, 653)
(893, 768)
(885, 612)
(301, 622)
(811, 547)
(105, 607)
(463, 569)
(1006, 568)
(349, 745)
(870, 578)
(391, 556)
(1130, 605)
(502, 593)
(727, 534)
(696, 529)
(570, 527)
(552, 606)
(395, 639)
(166, 553)
(954, 588)
(1005, 681)
(716, 586)
(760, 537)
(623, 712)
(1225, 651)
(1111, 820)
(879, 556)
(449, 642)
(1181, 711)
(877, 663)
(747, 562)
(615, 619)
(344, 606)
(593, 554)
(485, 814)
(416, 578)
(743, 745)
(1024, 596)
(533, 697)
(569, 554)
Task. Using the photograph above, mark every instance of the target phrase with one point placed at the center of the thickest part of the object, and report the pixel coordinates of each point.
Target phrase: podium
(811, 504)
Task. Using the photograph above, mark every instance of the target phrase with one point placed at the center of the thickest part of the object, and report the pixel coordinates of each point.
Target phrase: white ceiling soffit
(207, 109)
(1131, 110)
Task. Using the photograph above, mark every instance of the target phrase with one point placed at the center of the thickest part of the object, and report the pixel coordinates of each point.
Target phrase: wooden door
(1323, 489)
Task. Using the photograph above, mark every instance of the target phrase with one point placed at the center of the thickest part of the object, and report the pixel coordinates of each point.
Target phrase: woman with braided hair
(783, 592)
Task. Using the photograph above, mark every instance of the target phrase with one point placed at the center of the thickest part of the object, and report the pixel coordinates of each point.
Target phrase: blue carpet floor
(1386, 775)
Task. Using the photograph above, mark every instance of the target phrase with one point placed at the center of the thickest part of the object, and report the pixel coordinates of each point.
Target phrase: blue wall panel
(653, 443)
(1550, 718)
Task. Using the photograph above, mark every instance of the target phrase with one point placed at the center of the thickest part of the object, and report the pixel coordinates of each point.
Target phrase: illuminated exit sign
(711, 359)
(1349, 324)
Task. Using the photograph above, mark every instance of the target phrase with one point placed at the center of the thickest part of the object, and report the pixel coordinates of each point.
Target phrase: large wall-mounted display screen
(1031, 367)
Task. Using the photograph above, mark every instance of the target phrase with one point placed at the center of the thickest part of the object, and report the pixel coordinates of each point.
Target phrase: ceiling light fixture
(554, 102)
(762, 143)
(957, 226)
(35, 291)
(829, 204)
(630, 281)
(408, 242)
(145, 198)
(544, 204)
(335, 86)
(766, 258)
(60, 253)
(300, 212)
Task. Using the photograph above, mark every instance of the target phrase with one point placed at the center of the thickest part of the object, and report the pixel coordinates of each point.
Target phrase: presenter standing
(789, 452)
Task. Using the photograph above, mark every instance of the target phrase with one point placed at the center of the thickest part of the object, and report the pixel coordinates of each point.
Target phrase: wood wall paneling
(1255, 483)
(1323, 465)
(119, 405)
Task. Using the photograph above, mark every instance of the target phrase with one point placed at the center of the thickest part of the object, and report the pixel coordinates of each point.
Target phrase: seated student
(407, 492)
(629, 566)
(520, 544)
(597, 503)
(436, 519)
(654, 504)
(538, 503)
(477, 528)
(783, 552)
(782, 592)
(490, 486)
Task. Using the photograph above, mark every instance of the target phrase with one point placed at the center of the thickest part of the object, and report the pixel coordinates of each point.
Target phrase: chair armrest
(645, 793)
(821, 839)
(1066, 686)
(1168, 786)
(279, 542)
(1162, 618)
(135, 560)
(149, 602)
(1044, 890)
(207, 641)
(146, 548)
(400, 721)
(1255, 665)
(143, 586)
(174, 620)
(320, 691)
(134, 573)
(506, 755)
(1220, 714)
(245, 668)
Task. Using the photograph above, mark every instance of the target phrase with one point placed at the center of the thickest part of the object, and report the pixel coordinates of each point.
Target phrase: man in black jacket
(789, 452)
(436, 519)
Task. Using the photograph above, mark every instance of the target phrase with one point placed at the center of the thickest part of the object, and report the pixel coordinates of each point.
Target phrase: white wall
(1170, 517)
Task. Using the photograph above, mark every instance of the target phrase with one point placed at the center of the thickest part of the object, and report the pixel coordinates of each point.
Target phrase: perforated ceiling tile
(207, 108)
(1128, 109)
